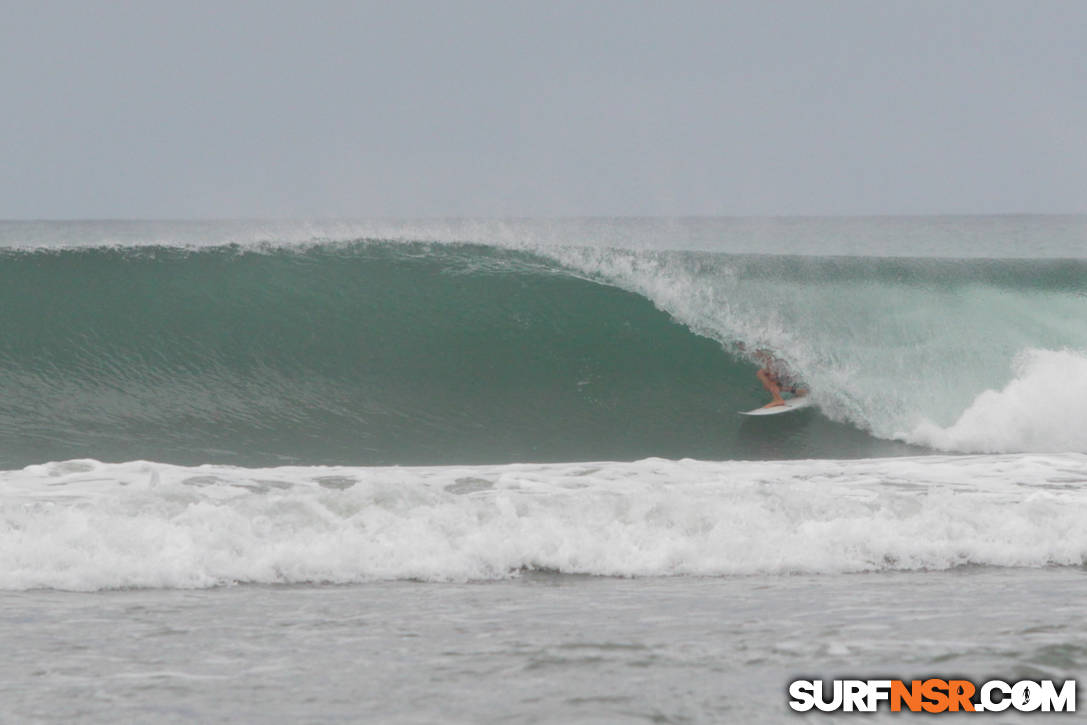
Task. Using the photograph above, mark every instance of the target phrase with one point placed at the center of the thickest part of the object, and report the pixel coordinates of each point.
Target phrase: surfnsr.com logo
(932, 695)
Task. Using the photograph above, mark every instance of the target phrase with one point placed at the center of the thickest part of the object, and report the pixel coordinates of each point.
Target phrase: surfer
(776, 377)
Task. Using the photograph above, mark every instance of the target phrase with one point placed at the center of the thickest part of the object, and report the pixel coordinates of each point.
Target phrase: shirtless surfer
(775, 377)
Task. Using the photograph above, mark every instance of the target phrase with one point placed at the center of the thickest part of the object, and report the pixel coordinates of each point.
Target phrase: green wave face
(366, 353)
(375, 352)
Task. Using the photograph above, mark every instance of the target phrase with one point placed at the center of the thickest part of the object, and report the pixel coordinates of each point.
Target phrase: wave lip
(1044, 409)
(392, 352)
(85, 525)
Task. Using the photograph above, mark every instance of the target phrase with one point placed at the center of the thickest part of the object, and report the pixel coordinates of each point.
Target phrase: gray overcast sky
(346, 109)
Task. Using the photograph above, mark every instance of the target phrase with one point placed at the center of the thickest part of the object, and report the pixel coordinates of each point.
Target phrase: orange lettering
(959, 694)
(911, 695)
(934, 691)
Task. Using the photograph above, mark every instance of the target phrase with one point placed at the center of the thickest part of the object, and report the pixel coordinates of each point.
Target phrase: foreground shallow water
(536, 648)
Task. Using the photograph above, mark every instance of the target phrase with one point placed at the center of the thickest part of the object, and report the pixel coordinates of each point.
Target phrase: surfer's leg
(770, 383)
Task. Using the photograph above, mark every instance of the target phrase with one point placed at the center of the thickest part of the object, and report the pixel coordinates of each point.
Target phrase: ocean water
(493, 471)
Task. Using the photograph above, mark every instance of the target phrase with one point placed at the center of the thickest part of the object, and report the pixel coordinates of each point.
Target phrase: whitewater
(378, 351)
(84, 525)
(506, 455)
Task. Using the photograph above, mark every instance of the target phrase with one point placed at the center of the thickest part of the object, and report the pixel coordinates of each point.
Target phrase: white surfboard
(791, 404)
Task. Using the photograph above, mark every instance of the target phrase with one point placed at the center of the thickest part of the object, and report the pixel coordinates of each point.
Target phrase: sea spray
(1043, 409)
(378, 352)
(86, 525)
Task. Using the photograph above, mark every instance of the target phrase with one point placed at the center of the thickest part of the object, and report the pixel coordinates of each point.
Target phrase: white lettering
(803, 694)
(988, 704)
(835, 701)
(1026, 696)
(853, 697)
(1064, 701)
(878, 690)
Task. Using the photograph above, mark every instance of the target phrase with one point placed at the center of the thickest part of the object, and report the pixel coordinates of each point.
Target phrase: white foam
(886, 355)
(84, 525)
(1043, 409)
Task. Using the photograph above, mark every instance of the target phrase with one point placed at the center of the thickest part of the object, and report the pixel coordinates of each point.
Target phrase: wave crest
(1044, 409)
